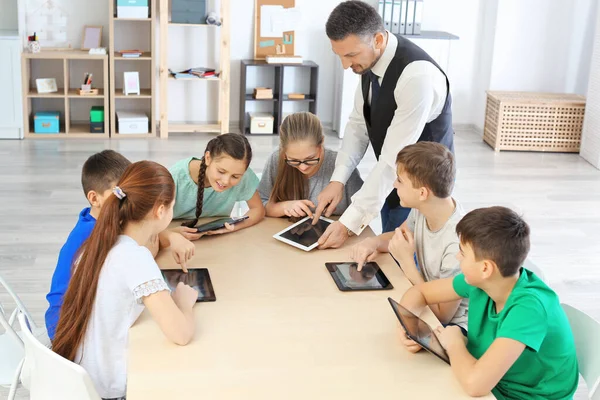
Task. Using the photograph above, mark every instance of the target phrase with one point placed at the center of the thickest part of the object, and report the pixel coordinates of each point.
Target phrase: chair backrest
(535, 269)
(52, 376)
(19, 304)
(11, 345)
(586, 331)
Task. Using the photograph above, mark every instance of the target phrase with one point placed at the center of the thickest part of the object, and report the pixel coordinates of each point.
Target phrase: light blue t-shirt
(215, 204)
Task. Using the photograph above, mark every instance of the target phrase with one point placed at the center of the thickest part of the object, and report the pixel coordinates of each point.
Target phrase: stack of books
(199, 72)
(130, 53)
(263, 93)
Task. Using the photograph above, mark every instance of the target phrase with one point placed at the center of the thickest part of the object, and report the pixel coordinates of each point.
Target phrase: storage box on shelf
(261, 123)
(133, 9)
(188, 11)
(46, 122)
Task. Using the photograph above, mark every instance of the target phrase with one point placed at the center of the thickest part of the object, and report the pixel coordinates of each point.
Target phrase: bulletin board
(274, 28)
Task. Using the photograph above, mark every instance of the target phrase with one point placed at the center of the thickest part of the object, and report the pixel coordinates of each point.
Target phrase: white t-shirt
(128, 274)
(436, 252)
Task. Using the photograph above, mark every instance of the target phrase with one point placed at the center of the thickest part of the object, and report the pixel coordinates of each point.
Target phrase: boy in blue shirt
(100, 173)
(520, 344)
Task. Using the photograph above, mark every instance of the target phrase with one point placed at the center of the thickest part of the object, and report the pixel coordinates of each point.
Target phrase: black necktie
(374, 88)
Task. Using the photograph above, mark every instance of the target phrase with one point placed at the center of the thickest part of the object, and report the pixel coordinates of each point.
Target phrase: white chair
(586, 331)
(535, 269)
(52, 376)
(11, 345)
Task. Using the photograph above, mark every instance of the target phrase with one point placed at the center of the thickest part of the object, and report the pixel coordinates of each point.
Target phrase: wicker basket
(534, 121)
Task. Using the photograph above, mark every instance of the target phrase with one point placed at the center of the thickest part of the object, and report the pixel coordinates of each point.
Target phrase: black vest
(439, 130)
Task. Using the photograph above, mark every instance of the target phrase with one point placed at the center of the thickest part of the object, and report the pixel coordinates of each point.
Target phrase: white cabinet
(11, 104)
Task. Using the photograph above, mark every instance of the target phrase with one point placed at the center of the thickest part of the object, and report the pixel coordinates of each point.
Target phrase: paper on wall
(274, 20)
(286, 20)
(267, 15)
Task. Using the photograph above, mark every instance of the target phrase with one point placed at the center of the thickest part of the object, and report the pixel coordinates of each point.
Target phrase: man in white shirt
(403, 98)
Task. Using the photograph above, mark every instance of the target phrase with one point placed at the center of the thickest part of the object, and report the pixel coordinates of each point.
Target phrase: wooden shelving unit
(279, 97)
(146, 100)
(72, 64)
(222, 126)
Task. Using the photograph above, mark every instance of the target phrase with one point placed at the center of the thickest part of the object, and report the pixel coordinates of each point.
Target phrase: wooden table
(280, 329)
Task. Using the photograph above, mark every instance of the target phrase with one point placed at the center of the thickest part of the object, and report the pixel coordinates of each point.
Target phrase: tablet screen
(199, 279)
(306, 234)
(419, 331)
(347, 276)
(218, 224)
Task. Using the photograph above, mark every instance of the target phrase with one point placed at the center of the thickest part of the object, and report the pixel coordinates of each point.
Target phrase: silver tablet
(303, 234)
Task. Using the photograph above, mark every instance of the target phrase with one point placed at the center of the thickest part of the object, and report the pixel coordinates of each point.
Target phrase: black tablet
(198, 278)
(219, 224)
(347, 277)
(419, 331)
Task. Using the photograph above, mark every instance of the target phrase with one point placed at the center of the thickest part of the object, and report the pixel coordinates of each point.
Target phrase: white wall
(460, 18)
(590, 142)
(483, 60)
(8, 14)
(554, 54)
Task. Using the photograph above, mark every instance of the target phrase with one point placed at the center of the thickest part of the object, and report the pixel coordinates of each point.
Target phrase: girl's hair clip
(117, 191)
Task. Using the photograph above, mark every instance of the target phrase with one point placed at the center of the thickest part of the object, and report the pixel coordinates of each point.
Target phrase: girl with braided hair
(210, 186)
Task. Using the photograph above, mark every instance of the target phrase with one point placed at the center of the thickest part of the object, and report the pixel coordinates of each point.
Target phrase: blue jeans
(392, 218)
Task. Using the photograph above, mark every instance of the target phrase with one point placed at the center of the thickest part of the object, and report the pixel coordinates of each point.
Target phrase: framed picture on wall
(131, 83)
(92, 37)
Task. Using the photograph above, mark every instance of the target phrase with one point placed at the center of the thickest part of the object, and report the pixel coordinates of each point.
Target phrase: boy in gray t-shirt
(425, 179)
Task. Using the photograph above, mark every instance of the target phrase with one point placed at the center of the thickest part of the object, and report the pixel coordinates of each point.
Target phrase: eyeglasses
(296, 163)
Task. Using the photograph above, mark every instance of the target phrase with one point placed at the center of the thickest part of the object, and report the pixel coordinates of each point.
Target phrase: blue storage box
(46, 122)
(132, 3)
(188, 11)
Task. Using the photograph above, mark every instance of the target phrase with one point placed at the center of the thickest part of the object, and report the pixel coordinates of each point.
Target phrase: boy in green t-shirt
(520, 344)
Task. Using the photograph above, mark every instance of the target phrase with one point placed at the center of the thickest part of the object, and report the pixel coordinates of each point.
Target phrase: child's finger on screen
(360, 261)
(372, 256)
(309, 203)
(306, 209)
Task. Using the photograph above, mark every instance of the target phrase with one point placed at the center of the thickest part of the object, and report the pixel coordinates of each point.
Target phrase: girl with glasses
(300, 169)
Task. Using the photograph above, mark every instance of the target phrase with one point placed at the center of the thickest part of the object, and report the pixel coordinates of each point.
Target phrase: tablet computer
(198, 278)
(219, 224)
(347, 277)
(303, 234)
(419, 331)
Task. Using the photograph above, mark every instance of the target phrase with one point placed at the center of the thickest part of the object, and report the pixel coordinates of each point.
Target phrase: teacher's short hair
(430, 165)
(353, 17)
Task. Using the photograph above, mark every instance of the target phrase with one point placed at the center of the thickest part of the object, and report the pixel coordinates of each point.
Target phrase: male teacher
(403, 98)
